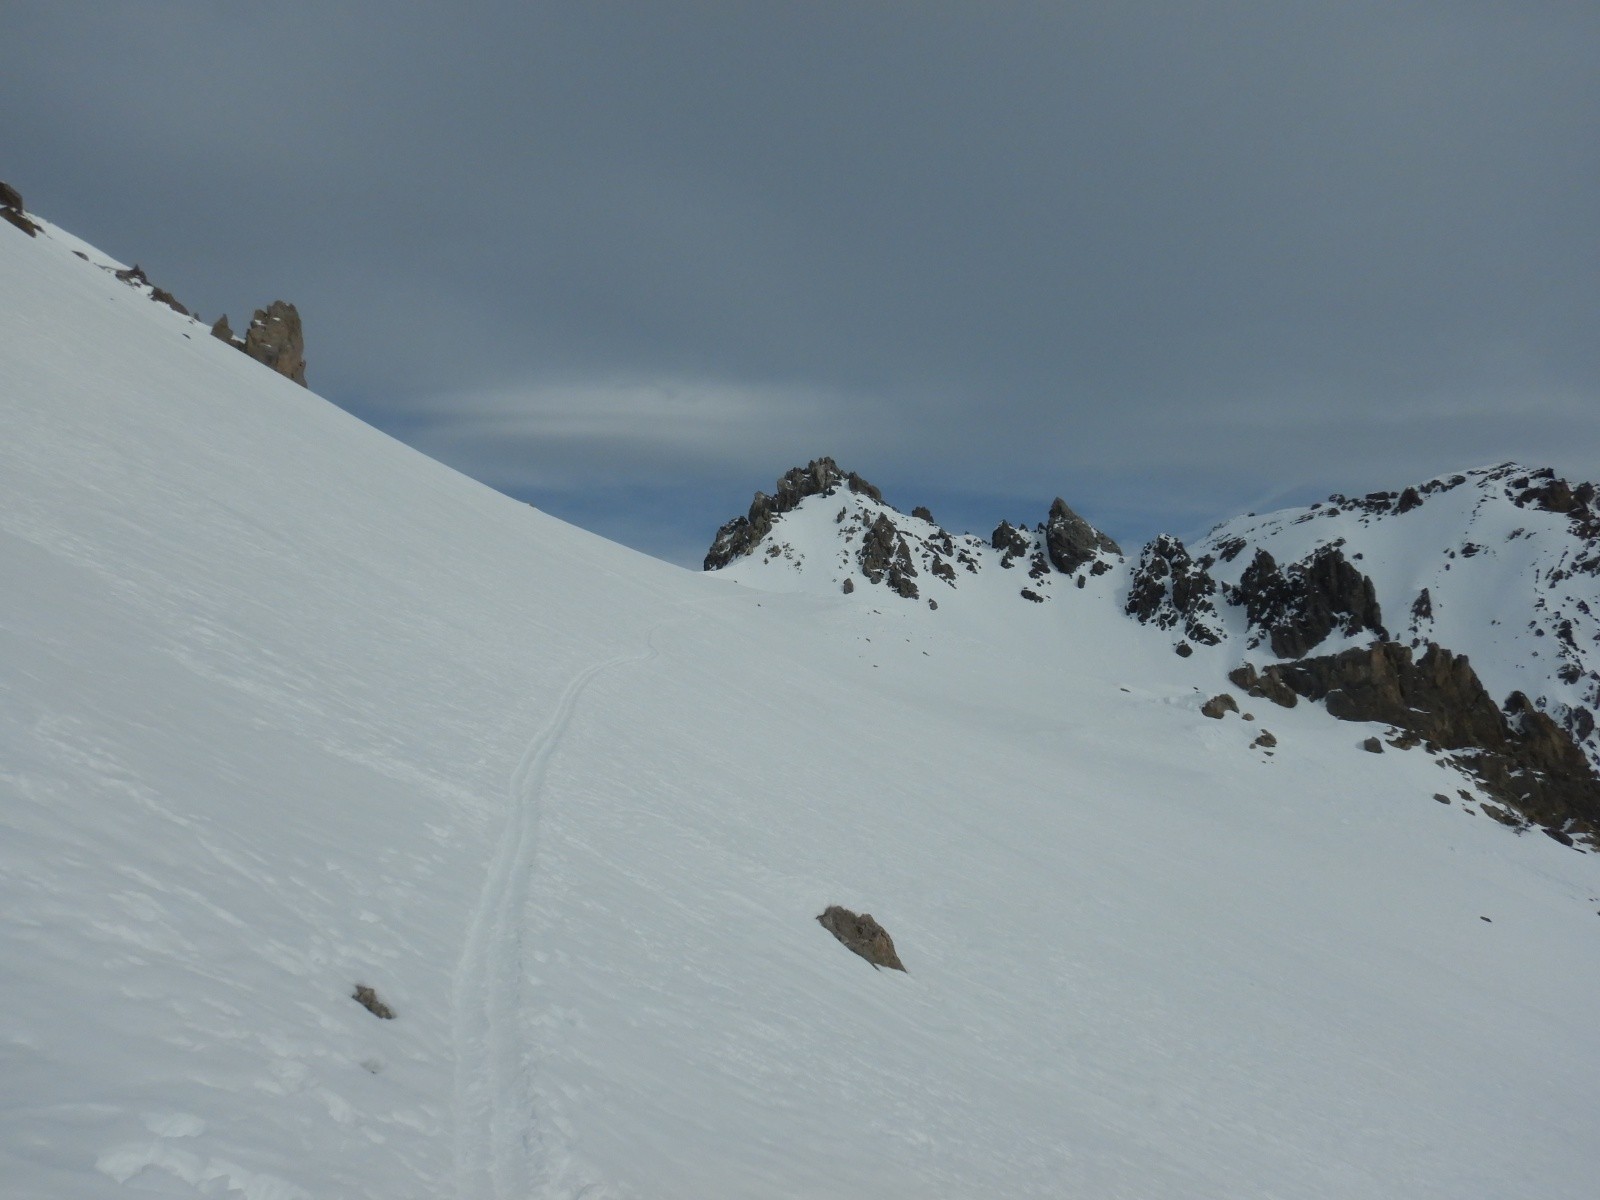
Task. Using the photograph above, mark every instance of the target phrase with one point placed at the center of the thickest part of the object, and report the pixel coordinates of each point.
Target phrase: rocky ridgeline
(1536, 754)
(912, 556)
(1293, 609)
(274, 339)
(1519, 755)
(740, 536)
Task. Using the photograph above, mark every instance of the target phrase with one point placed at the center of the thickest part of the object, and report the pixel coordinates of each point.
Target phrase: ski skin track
(495, 1134)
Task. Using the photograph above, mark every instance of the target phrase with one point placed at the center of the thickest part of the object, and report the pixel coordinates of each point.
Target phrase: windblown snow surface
(287, 708)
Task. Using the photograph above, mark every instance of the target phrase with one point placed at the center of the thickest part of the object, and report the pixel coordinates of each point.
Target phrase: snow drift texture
(288, 708)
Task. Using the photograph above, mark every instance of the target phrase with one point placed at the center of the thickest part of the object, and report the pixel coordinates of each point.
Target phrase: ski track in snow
(496, 1136)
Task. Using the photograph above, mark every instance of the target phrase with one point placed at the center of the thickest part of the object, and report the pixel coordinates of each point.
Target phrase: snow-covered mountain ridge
(288, 710)
(877, 544)
(1498, 566)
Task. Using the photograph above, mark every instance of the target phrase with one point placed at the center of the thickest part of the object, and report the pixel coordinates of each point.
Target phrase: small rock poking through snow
(862, 935)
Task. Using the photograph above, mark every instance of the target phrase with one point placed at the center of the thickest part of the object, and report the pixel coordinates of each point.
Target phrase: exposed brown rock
(223, 330)
(819, 477)
(1012, 542)
(162, 296)
(1437, 696)
(1520, 756)
(862, 935)
(12, 211)
(134, 276)
(1267, 684)
(1298, 608)
(1170, 590)
(368, 999)
(275, 340)
(1219, 705)
(1071, 541)
(15, 216)
(885, 557)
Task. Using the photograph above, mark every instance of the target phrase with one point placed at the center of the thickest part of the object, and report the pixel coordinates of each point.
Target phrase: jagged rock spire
(1071, 541)
(275, 339)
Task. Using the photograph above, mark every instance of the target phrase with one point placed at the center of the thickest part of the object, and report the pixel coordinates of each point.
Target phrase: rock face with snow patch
(275, 340)
(1170, 590)
(1073, 543)
(1522, 757)
(1295, 610)
(740, 536)
(1303, 593)
(1502, 563)
(885, 558)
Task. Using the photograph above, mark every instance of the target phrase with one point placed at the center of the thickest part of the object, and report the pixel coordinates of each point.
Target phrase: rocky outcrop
(368, 999)
(885, 557)
(1295, 610)
(1013, 543)
(134, 276)
(1520, 756)
(1072, 542)
(862, 935)
(162, 296)
(1268, 685)
(221, 329)
(11, 210)
(908, 555)
(1170, 590)
(1219, 706)
(275, 340)
(1437, 696)
(819, 477)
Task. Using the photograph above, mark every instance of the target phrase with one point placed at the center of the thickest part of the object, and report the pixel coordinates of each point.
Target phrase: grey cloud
(1222, 251)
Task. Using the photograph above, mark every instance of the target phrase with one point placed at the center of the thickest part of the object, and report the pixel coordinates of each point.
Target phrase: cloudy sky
(630, 261)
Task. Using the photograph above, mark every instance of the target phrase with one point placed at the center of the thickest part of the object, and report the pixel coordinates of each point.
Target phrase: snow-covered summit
(828, 531)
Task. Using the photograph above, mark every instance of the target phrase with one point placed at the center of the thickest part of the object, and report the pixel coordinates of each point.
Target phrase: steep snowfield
(287, 708)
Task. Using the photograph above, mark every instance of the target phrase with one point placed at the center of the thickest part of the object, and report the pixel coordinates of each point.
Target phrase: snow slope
(286, 708)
